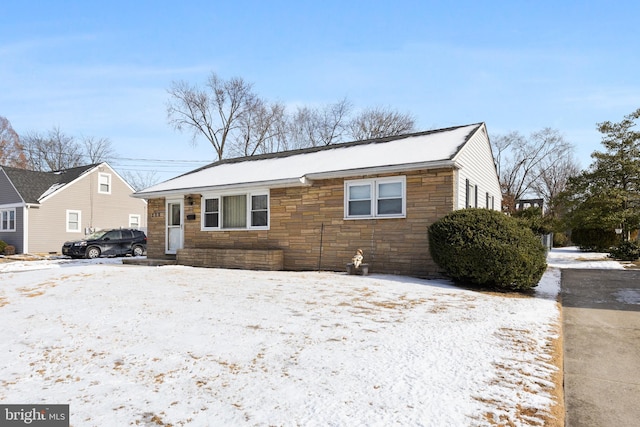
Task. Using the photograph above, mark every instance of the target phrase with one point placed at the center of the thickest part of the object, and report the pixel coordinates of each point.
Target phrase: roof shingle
(32, 185)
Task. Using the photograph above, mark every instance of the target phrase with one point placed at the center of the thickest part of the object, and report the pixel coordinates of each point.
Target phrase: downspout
(91, 189)
(25, 229)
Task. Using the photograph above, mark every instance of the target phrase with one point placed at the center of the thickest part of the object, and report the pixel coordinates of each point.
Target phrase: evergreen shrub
(625, 251)
(594, 239)
(560, 240)
(2, 246)
(488, 249)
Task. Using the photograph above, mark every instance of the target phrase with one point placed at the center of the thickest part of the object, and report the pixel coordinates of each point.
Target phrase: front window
(359, 200)
(211, 215)
(104, 183)
(390, 198)
(8, 220)
(259, 211)
(73, 221)
(235, 211)
(375, 198)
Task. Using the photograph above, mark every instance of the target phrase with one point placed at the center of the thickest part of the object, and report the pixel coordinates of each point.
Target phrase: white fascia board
(178, 192)
(385, 169)
(13, 205)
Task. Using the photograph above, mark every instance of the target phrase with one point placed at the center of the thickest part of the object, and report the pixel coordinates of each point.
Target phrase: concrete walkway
(601, 324)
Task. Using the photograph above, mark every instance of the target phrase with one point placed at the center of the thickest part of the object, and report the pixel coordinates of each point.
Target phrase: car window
(112, 235)
(95, 236)
(127, 234)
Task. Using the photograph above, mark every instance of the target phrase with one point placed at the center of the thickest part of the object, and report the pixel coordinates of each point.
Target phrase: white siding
(477, 166)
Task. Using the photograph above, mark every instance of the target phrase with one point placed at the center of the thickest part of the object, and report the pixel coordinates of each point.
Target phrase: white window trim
(70, 211)
(374, 182)
(8, 230)
(108, 177)
(248, 194)
(132, 216)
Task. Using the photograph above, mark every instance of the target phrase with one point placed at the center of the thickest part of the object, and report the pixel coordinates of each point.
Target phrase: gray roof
(32, 185)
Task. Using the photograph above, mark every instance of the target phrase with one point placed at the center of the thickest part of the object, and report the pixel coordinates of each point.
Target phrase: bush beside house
(487, 249)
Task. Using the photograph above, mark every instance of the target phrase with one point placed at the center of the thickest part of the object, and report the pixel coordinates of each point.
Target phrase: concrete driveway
(601, 324)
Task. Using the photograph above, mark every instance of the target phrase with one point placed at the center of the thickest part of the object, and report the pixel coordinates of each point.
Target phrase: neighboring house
(522, 204)
(313, 208)
(39, 211)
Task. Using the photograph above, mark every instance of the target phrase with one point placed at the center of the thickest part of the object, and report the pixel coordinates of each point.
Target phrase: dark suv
(115, 242)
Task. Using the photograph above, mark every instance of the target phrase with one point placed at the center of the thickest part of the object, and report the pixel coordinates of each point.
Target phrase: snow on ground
(175, 345)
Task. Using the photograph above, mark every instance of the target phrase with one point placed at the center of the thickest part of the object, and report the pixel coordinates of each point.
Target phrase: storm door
(175, 230)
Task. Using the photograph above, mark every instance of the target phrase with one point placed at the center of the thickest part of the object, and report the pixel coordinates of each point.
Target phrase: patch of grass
(632, 265)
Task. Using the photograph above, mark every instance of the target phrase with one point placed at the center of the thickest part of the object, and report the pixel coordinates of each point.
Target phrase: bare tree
(97, 150)
(260, 129)
(301, 129)
(214, 112)
(379, 122)
(554, 177)
(51, 152)
(522, 161)
(11, 152)
(332, 122)
(313, 127)
(139, 180)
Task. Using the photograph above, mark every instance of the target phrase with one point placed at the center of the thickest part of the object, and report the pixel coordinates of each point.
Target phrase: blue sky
(102, 68)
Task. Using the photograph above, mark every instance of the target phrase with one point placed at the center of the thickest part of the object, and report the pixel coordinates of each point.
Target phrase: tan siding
(302, 216)
(47, 230)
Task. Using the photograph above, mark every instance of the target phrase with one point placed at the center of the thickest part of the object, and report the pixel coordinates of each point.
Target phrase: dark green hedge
(593, 239)
(488, 249)
(625, 251)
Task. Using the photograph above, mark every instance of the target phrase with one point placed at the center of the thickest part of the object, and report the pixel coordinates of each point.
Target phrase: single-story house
(313, 208)
(39, 211)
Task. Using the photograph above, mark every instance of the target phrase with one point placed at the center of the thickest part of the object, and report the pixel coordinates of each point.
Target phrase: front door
(174, 226)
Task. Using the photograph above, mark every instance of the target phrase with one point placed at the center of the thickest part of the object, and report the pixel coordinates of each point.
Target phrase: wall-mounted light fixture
(190, 200)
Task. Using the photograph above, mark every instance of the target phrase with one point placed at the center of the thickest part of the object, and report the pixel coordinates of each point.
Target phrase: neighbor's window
(235, 211)
(73, 221)
(134, 221)
(104, 183)
(375, 198)
(8, 220)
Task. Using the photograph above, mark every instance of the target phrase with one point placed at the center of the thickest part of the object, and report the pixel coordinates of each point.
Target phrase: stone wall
(156, 228)
(255, 259)
(308, 225)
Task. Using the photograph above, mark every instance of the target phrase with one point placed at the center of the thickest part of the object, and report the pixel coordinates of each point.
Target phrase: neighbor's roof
(33, 185)
(404, 152)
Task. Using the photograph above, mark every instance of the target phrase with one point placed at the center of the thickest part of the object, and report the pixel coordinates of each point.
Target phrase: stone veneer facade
(303, 217)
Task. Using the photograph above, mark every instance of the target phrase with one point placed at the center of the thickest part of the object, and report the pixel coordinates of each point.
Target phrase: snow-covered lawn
(173, 345)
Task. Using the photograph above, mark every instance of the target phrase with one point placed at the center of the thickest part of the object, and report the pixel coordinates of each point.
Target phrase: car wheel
(92, 252)
(137, 251)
